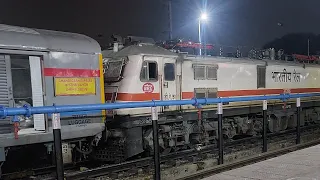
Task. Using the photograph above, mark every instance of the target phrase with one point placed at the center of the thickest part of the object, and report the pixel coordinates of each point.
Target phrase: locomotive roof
(222, 59)
(218, 59)
(150, 49)
(142, 49)
(14, 37)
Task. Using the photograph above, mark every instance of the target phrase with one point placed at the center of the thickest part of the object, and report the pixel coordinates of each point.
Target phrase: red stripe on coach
(61, 72)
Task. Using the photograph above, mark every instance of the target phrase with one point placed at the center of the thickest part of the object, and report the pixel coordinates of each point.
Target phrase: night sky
(232, 22)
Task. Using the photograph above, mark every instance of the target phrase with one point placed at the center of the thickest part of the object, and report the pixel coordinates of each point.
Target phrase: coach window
(169, 73)
(149, 71)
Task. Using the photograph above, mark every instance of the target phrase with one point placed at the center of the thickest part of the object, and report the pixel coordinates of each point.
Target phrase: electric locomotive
(143, 71)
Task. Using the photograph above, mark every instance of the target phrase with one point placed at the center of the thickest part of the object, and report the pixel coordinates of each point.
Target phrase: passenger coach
(42, 68)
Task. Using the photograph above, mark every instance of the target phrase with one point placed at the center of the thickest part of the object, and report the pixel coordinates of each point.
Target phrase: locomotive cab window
(149, 71)
(169, 73)
(114, 69)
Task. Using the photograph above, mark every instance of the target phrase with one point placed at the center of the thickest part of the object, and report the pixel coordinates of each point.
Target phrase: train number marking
(79, 120)
(148, 88)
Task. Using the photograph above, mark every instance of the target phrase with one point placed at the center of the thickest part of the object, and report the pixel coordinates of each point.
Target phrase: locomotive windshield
(113, 69)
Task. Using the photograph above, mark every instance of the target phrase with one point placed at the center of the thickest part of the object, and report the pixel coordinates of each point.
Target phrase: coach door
(26, 72)
(169, 87)
(37, 91)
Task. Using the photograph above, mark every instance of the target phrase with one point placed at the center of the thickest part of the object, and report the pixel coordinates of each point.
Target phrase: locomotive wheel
(314, 118)
(166, 151)
(292, 121)
(273, 123)
(284, 123)
(277, 124)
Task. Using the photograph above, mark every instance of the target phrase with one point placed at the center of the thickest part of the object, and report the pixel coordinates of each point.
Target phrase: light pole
(170, 18)
(203, 17)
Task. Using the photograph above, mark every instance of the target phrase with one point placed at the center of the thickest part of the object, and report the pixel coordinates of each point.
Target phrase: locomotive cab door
(169, 86)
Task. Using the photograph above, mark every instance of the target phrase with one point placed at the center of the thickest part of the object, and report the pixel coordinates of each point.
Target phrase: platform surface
(299, 165)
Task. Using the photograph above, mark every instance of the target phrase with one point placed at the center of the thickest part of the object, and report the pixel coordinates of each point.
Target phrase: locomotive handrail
(28, 110)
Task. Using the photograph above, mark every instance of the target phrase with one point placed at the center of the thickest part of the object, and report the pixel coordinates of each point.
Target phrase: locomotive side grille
(212, 72)
(212, 93)
(206, 92)
(199, 72)
(205, 72)
(261, 76)
(200, 93)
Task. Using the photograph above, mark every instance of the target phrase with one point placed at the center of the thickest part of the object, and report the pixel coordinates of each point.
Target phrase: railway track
(148, 162)
(260, 157)
(192, 155)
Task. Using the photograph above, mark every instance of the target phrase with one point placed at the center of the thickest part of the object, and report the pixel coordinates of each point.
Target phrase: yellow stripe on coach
(103, 112)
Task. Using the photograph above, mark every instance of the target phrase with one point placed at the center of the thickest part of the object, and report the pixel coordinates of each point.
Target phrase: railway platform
(303, 164)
